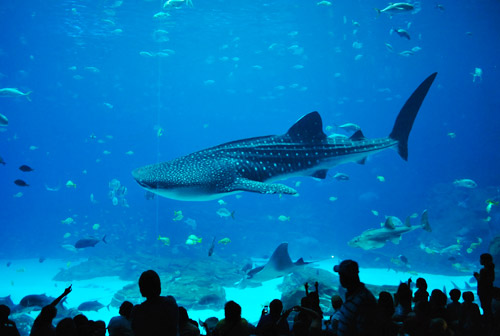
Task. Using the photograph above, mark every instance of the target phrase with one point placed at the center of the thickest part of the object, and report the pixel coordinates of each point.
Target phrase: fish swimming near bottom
(278, 265)
(392, 230)
(253, 164)
(89, 242)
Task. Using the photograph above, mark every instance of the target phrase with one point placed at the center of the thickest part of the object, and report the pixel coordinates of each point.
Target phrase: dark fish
(8, 263)
(21, 183)
(403, 33)
(25, 168)
(36, 300)
(2, 161)
(211, 249)
(89, 242)
(41, 259)
(90, 306)
(403, 259)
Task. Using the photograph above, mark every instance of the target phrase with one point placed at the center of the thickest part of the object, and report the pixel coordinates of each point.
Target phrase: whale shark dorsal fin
(309, 128)
(357, 136)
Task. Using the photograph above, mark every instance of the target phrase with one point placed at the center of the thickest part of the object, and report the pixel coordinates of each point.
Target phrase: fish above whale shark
(254, 164)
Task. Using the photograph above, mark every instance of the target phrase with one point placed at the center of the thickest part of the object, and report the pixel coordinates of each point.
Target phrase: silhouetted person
(97, 328)
(485, 279)
(453, 308)
(66, 327)
(158, 315)
(187, 327)
(421, 294)
(333, 324)
(470, 317)
(417, 324)
(438, 301)
(275, 323)
(385, 310)
(120, 325)
(7, 327)
(82, 325)
(43, 323)
(402, 300)
(357, 314)
(232, 324)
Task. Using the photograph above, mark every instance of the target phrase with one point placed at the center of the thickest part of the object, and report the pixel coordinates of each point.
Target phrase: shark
(391, 230)
(255, 164)
(279, 265)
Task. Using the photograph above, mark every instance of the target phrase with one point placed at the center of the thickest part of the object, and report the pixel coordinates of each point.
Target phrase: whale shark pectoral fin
(244, 184)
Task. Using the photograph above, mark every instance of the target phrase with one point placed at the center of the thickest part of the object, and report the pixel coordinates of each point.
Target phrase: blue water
(242, 69)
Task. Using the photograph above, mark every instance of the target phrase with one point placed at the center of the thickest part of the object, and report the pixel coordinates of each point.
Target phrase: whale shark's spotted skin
(252, 164)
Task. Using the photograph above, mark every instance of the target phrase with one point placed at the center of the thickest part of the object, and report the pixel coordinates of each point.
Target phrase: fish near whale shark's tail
(407, 115)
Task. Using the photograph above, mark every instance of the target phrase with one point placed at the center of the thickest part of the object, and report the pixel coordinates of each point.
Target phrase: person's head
(183, 316)
(126, 309)
(403, 294)
(4, 313)
(232, 311)
(386, 303)
(468, 297)
(336, 302)
(66, 327)
(348, 271)
(455, 294)
(276, 307)
(486, 259)
(421, 284)
(438, 298)
(150, 284)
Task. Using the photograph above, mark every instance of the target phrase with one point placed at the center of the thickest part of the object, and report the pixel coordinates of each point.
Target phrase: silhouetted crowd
(360, 313)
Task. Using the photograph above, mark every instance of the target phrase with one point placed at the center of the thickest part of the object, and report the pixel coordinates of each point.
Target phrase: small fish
(90, 306)
(164, 240)
(403, 33)
(2, 161)
(452, 135)
(13, 92)
(224, 241)
(96, 226)
(68, 221)
(350, 127)
(490, 204)
(212, 247)
(89, 242)
(21, 183)
(341, 177)
(178, 216)
(3, 120)
(223, 212)
(221, 202)
(70, 184)
(398, 7)
(465, 183)
(193, 240)
(324, 3)
(41, 259)
(381, 178)
(8, 264)
(284, 218)
(25, 168)
(403, 259)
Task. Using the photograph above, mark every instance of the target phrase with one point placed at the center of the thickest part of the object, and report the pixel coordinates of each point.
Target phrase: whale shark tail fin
(404, 121)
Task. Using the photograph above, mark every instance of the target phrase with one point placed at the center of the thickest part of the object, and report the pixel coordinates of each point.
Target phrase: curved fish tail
(407, 115)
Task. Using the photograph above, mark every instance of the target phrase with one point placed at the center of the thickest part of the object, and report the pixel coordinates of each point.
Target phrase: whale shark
(254, 164)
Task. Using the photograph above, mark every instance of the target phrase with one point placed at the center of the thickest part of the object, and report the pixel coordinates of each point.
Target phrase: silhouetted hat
(347, 266)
